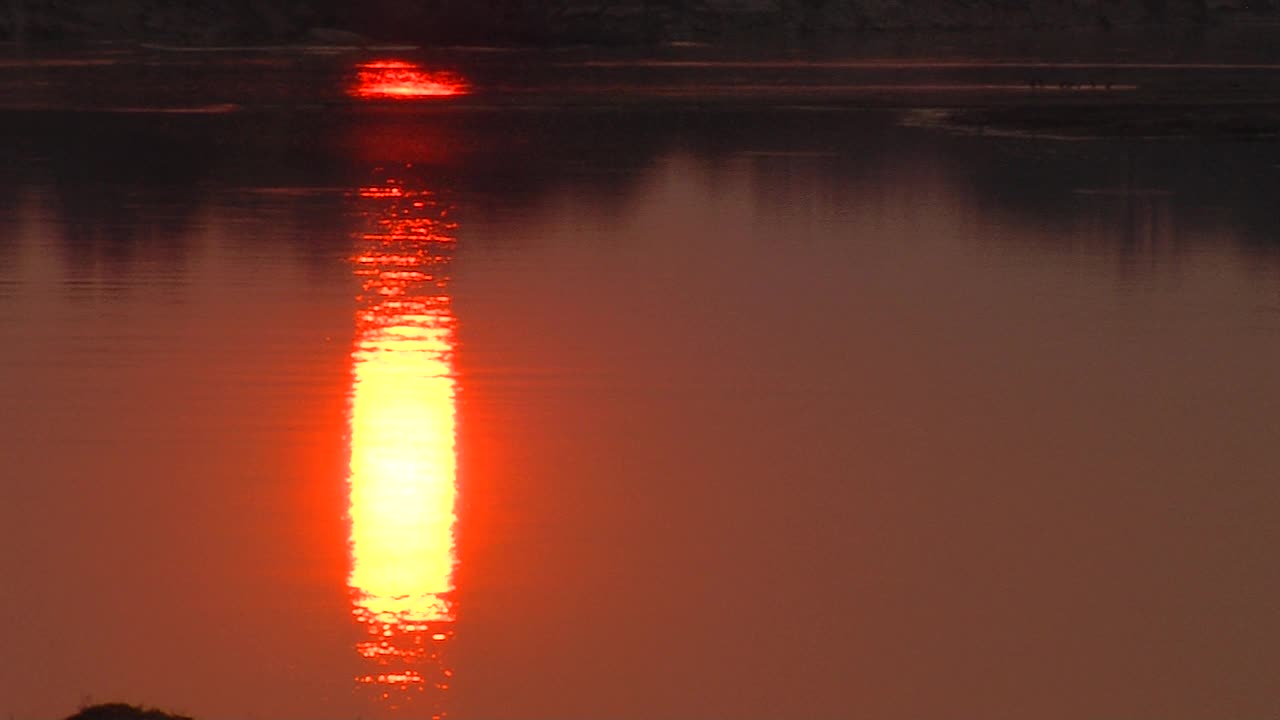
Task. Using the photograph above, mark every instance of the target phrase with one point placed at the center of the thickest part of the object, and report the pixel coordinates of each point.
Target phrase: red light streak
(399, 80)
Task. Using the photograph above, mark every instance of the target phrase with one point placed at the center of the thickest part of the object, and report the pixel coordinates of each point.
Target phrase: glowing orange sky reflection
(403, 465)
(397, 79)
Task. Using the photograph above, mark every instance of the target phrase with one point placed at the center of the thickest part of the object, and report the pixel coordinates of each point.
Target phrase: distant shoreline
(966, 84)
(600, 22)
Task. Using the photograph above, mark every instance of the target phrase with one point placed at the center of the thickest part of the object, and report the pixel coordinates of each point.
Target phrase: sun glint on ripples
(403, 468)
(397, 79)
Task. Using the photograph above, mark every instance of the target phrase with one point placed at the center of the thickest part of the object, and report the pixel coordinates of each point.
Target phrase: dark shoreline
(599, 22)
(1163, 80)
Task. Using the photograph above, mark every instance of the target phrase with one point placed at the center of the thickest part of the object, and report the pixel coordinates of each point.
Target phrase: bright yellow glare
(403, 472)
(403, 468)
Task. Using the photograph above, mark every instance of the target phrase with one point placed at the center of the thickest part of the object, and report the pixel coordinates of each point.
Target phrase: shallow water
(626, 412)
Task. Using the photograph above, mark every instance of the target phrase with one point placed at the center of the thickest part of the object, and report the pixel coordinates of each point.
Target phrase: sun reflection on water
(403, 467)
(397, 79)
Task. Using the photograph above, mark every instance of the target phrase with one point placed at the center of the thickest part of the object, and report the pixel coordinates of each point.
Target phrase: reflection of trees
(128, 188)
(132, 188)
(12, 182)
(512, 158)
(1143, 198)
(121, 194)
(1155, 195)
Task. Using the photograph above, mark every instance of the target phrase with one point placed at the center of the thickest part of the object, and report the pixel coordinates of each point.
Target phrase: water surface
(315, 408)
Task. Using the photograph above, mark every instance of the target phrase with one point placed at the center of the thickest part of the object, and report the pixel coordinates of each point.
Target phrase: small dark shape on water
(122, 711)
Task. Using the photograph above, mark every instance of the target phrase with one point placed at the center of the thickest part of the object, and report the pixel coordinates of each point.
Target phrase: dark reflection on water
(753, 413)
(520, 156)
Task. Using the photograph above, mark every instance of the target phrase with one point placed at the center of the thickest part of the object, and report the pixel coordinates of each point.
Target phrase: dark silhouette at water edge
(123, 711)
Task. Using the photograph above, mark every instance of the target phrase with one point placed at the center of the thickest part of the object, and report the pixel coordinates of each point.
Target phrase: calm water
(318, 408)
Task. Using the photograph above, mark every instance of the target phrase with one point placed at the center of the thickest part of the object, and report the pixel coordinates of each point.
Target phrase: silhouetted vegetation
(123, 711)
